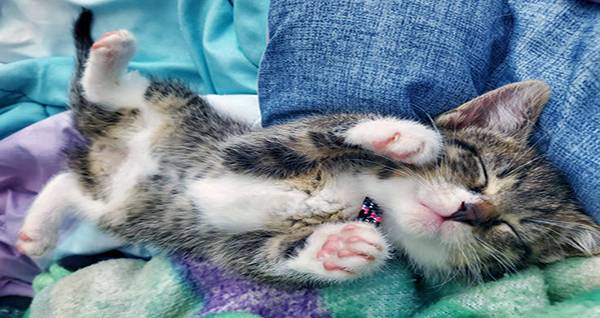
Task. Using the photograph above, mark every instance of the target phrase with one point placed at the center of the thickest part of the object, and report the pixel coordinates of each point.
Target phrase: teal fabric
(32, 90)
(182, 287)
(213, 45)
(233, 40)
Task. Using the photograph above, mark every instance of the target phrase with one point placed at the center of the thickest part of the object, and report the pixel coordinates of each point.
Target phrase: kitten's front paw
(341, 251)
(403, 140)
(35, 243)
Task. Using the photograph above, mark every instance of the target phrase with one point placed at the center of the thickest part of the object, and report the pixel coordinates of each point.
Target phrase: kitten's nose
(473, 213)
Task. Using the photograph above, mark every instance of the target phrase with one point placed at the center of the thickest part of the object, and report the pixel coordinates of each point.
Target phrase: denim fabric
(417, 57)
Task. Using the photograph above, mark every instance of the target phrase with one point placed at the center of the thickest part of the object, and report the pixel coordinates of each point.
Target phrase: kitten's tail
(82, 35)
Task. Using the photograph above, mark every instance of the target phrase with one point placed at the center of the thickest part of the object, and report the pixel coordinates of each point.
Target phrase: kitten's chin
(429, 239)
(453, 233)
(431, 242)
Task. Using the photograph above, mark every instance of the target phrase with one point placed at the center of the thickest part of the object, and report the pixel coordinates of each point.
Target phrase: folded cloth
(214, 46)
(28, 160)
(34, 154)
(183, 287)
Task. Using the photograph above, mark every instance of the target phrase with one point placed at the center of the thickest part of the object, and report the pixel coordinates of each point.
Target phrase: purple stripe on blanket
(226, 292)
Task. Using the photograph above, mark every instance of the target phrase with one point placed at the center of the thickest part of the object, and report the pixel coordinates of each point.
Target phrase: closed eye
(482, 181)
(512, 228)
(519, 237)
(482, 172)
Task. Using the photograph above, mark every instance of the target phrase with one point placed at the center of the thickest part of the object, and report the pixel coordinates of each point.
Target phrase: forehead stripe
(463, 145)
(467, 146)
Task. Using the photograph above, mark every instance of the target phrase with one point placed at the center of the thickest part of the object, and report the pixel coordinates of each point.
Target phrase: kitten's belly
(240, 203)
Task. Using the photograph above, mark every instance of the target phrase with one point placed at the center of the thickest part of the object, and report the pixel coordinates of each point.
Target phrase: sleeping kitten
(162, 167)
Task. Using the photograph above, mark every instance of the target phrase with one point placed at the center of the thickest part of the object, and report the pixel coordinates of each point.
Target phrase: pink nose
(473, 213)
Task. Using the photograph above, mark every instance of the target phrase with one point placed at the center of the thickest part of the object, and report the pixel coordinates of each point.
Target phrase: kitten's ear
(512, 109)
(579, 236)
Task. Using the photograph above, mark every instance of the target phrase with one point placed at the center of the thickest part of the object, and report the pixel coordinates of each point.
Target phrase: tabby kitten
(160, 166)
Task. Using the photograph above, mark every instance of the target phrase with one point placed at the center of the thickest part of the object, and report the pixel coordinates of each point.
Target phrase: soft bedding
(216, 47)
(179, 287)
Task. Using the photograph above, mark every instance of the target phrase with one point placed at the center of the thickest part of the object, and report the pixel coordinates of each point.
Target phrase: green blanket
(177, 287)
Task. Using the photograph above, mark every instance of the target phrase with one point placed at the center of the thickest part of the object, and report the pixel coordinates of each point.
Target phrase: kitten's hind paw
(105, 80)
(402, 140)
(341, 251)
(114, 48)
(34, 244)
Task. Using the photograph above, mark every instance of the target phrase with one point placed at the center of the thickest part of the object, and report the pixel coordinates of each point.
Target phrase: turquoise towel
(213, 45)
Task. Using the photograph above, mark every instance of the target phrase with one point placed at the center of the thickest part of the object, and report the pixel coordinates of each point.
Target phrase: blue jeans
(416, 58)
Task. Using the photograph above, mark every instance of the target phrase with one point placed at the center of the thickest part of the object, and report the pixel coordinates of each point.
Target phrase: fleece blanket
(215, 46)
(178, 287)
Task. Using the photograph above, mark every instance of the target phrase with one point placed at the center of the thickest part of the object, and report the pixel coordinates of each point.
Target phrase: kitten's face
(492, 204)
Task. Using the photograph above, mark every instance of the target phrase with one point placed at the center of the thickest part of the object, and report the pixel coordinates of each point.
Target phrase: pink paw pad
(19, 248)
(400, 140)
(331, 266)
(119, 44)
(24, 237)
(380, 145)
(384, 146)
(349, 243)
(101, 42)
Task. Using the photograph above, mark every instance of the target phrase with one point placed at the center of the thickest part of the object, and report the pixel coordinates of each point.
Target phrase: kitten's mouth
(436, 223)
(435, 215)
